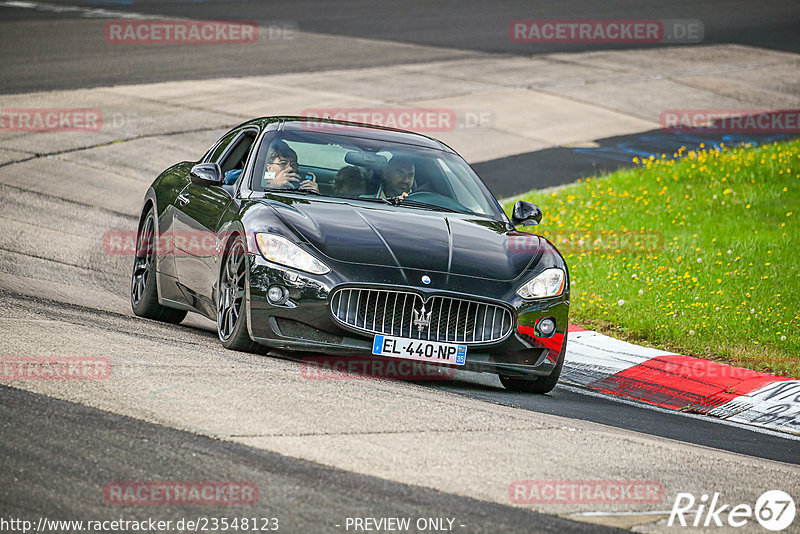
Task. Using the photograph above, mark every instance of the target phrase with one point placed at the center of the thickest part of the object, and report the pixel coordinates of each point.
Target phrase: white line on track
(88, 12)
(604, 514)
(760, 430)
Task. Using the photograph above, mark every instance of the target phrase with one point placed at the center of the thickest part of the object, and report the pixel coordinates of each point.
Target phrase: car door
(198, 210)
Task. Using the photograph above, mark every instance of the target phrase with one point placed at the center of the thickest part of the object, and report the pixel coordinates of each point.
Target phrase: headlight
(281, 250)
(548, 283)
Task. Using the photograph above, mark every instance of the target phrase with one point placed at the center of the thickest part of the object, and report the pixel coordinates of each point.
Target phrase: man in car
(398, 178)
(281, 169)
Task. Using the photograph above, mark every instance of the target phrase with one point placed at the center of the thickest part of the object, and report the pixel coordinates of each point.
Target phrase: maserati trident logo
(421, 320)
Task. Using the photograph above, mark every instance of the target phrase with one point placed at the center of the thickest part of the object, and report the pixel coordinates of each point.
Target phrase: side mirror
(206, 174)
(526, 214)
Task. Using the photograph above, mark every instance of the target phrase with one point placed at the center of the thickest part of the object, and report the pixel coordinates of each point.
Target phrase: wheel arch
(226, 235)
(150, 203)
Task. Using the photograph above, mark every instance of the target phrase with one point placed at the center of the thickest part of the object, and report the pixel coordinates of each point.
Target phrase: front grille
(398, 313)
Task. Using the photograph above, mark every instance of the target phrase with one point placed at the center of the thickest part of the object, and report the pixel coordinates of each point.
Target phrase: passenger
(398, 178)
(281, 169)
(231, 176)
(350, 181)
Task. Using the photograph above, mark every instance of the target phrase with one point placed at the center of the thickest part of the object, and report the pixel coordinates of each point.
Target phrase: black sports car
(352, 240)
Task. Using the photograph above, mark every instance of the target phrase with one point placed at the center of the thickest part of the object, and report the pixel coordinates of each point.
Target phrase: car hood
(411, 239)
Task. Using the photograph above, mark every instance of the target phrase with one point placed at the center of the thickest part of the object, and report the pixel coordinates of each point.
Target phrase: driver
(398, 178)
(281, 169)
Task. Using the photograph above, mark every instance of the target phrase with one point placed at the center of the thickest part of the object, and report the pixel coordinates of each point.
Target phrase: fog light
(277, 295)
(546, 326)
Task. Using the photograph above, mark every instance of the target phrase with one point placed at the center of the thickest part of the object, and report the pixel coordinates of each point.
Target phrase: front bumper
(305, 323)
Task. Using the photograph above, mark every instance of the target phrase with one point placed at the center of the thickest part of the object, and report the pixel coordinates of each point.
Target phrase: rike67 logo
(774, 510)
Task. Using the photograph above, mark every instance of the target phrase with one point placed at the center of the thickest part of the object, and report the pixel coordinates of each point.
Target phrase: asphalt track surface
(574, 403)
(51, 476)
(46, 50)
(57, 455)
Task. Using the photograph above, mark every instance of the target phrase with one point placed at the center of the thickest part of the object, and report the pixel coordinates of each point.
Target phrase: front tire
(232, 301)
(541, 384)
(144, 294)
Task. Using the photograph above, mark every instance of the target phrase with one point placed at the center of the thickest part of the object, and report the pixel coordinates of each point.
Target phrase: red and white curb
(678, 382)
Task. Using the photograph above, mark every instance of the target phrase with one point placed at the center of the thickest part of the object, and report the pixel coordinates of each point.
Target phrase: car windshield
(370, 170)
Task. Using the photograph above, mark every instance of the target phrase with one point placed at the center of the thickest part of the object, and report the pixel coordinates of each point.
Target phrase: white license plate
(419, 349)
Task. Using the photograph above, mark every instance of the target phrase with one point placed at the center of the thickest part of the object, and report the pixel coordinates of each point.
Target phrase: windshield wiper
(288, 190)
(425, 205)
(392, 201)
(397, 201)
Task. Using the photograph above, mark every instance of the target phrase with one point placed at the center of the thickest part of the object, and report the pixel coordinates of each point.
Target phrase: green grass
(698, 255)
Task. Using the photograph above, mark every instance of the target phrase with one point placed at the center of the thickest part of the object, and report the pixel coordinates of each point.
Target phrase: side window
(220, 148)
(237, 155)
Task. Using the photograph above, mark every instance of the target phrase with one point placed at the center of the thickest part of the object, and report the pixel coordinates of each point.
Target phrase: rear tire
(540, 384)
(144, 293)
(232, 299)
